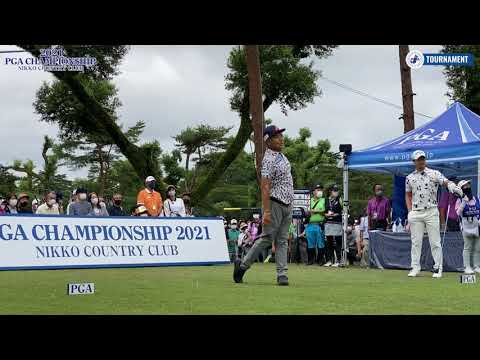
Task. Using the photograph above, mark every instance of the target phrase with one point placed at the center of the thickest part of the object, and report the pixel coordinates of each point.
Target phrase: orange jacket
(152, 201)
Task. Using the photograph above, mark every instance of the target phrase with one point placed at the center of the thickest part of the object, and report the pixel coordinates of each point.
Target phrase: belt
(278, 201)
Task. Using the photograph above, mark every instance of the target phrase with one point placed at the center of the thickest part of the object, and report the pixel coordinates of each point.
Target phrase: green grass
(210, 290)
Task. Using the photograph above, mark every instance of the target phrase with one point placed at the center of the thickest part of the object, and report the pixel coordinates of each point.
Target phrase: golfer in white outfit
(421, 196)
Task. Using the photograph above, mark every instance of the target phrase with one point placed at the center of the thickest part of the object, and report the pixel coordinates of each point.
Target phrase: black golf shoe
(282, 280)
(238, 272)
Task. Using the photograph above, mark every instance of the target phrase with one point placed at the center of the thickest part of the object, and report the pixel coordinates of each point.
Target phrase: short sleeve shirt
(275, 166)
(152, 201)
(424, 187)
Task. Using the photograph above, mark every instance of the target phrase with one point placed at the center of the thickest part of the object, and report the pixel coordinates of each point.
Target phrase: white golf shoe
(336, 265)
(328, 264)
(469, 271)
(477, 269)
(414, 272)
(437, 273)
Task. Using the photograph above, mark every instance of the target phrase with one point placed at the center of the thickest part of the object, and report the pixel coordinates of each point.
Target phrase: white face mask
(13, 202)
(82, 196)
(94, 201)
(319, 194)
(233, 226)
(51, 202)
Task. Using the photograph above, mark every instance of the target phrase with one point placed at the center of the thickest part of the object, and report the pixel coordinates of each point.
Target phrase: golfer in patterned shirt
(277, 198)
(421, 188)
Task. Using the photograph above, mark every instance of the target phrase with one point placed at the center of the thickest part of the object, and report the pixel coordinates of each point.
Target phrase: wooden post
(407, 92)
(256, 103)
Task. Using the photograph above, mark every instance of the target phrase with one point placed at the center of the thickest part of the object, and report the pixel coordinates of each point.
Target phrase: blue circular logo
(415, 59)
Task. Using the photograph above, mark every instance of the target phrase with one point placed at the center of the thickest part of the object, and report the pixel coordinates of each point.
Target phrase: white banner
(53, 242)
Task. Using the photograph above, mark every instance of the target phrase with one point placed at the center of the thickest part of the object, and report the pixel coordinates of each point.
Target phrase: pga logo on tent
(427, 135)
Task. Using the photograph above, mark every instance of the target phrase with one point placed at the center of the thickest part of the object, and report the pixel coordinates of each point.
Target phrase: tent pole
(345, 209)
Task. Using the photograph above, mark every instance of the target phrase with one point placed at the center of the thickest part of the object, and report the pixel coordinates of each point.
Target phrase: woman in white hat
(468, 210)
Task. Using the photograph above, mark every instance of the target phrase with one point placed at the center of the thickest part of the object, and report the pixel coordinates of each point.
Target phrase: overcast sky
(172, 87)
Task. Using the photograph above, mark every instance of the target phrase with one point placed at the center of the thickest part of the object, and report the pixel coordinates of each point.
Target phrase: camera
(345, 148)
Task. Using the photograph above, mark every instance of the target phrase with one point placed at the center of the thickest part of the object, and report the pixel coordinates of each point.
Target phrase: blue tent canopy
(451, 142)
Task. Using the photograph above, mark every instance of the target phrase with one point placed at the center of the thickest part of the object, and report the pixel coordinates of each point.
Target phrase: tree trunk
(224, 162)
(102, 171)
(141, 160)
(230, 154)
(256, 105)
(407, 92)
(187, 162)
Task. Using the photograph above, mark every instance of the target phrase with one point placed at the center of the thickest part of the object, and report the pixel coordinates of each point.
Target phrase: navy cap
(319, 186)
(270, 131)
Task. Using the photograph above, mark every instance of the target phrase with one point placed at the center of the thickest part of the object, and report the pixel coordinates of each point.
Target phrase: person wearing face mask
(116, 209)
(82, 206)
(3, 205)
(378, 210)
(73, 200)
(244, 240)
(333, 227)
(97, 208)
(24, 206)
(150, 198)
(233, 234)
(173, 206)
(102, 202)
(35, 205)
(446, 207)
(50, 206)
(314, 231)
(186, 197)
(468, 210)
(11, 207)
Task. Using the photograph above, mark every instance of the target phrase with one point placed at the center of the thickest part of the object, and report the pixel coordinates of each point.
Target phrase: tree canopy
(464, 82)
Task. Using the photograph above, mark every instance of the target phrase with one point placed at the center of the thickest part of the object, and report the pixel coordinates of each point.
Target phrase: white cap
(233, 221)
(463, 183)
(150, 178)
(418, 154)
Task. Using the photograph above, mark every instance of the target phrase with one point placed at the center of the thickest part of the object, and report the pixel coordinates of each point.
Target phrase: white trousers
(418, 220)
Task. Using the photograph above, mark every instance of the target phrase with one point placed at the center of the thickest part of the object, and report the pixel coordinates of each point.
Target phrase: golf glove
(454, 189)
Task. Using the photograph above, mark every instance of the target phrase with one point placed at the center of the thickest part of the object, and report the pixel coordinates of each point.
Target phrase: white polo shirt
(424, 187)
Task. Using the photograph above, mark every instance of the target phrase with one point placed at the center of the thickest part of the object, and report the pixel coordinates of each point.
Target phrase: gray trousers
(278, 232)
(471, 251)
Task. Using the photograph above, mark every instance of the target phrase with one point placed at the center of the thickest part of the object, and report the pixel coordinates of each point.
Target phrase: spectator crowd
(315, 238)
(85, 203)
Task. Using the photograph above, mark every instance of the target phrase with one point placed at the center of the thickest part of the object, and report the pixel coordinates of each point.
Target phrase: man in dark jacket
(116, 209)
(24, 206)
